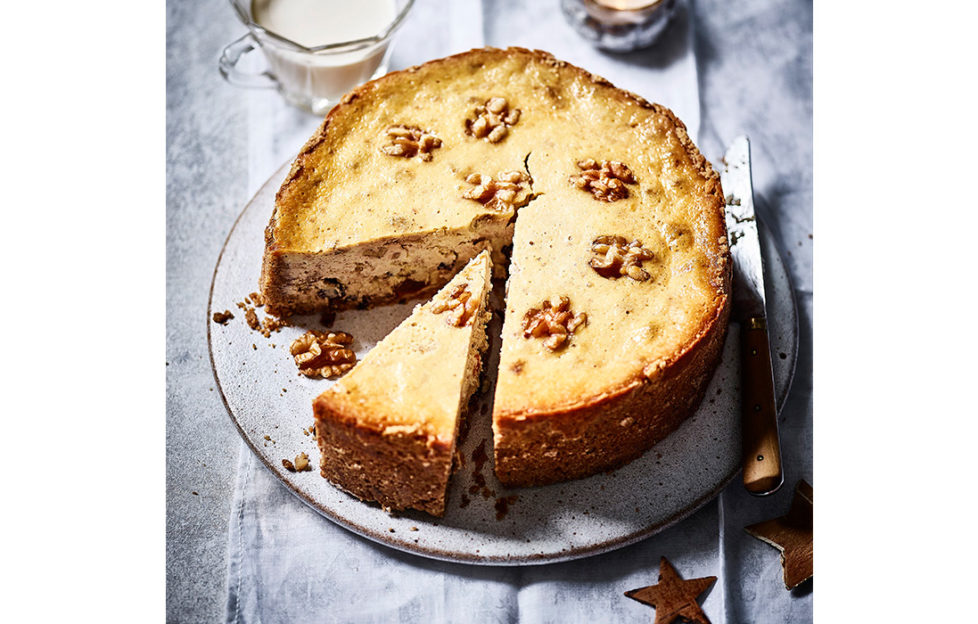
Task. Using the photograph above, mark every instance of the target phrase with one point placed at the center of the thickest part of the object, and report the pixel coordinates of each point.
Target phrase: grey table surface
(754, 64)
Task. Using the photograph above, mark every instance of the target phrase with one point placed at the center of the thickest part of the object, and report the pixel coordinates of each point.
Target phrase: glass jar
(619, 25)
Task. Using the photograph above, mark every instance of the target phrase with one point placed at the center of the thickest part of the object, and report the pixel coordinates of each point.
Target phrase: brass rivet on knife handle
(762, 451)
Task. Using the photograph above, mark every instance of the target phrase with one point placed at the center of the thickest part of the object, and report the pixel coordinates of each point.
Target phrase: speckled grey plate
(271, 405)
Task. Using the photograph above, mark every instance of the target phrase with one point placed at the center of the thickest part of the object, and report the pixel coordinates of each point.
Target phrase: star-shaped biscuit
(793, 536)
(673, 597)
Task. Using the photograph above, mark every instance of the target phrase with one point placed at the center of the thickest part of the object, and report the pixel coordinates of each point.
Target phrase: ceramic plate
(484, 523)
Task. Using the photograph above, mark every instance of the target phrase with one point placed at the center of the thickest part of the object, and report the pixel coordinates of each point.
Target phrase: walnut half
(500, 194)
(323, 354)
(410, 141)
(555, 322)
(614, 256)
(605, 180)
(492, 120)
(460, 305)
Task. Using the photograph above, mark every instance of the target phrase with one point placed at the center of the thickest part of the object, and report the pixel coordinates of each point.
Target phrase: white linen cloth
(289, 564)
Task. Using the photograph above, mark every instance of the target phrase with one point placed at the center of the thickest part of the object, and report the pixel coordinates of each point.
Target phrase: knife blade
(761, 459)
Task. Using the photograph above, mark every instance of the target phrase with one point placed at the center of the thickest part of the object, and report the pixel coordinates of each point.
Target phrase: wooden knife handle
(762, 449)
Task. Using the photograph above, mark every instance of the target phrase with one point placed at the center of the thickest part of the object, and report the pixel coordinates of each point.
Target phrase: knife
(761, 448)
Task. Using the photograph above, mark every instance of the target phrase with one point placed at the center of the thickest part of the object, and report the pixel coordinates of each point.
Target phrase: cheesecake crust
(399, 469)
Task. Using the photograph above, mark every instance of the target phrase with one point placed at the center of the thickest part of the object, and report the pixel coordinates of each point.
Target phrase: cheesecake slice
(387, 430)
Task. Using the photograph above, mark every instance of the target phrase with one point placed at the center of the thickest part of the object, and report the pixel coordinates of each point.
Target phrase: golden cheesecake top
(587, 168)
(395, 156)
(627, 321)
(413, 378)
(361, 178)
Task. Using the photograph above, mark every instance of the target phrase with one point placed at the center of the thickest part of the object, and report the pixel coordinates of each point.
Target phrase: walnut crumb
(410, 141)
(288, 465)
(323, 354)
(508, 189)
(302, 463)
(264, 326)
(614, 256)
(271, 324)
(252, 319)
(459, 304)
(605, 180)
(555, 322)
(492, 120)
(223, 317)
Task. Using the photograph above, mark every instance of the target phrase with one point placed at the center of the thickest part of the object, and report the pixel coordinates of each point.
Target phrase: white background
(83, 259)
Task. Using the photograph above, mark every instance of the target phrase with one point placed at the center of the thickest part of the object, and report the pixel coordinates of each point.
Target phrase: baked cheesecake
(387, 430)
(619, 282)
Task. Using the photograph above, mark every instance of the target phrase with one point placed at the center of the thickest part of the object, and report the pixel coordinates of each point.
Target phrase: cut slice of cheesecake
(387, 429)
